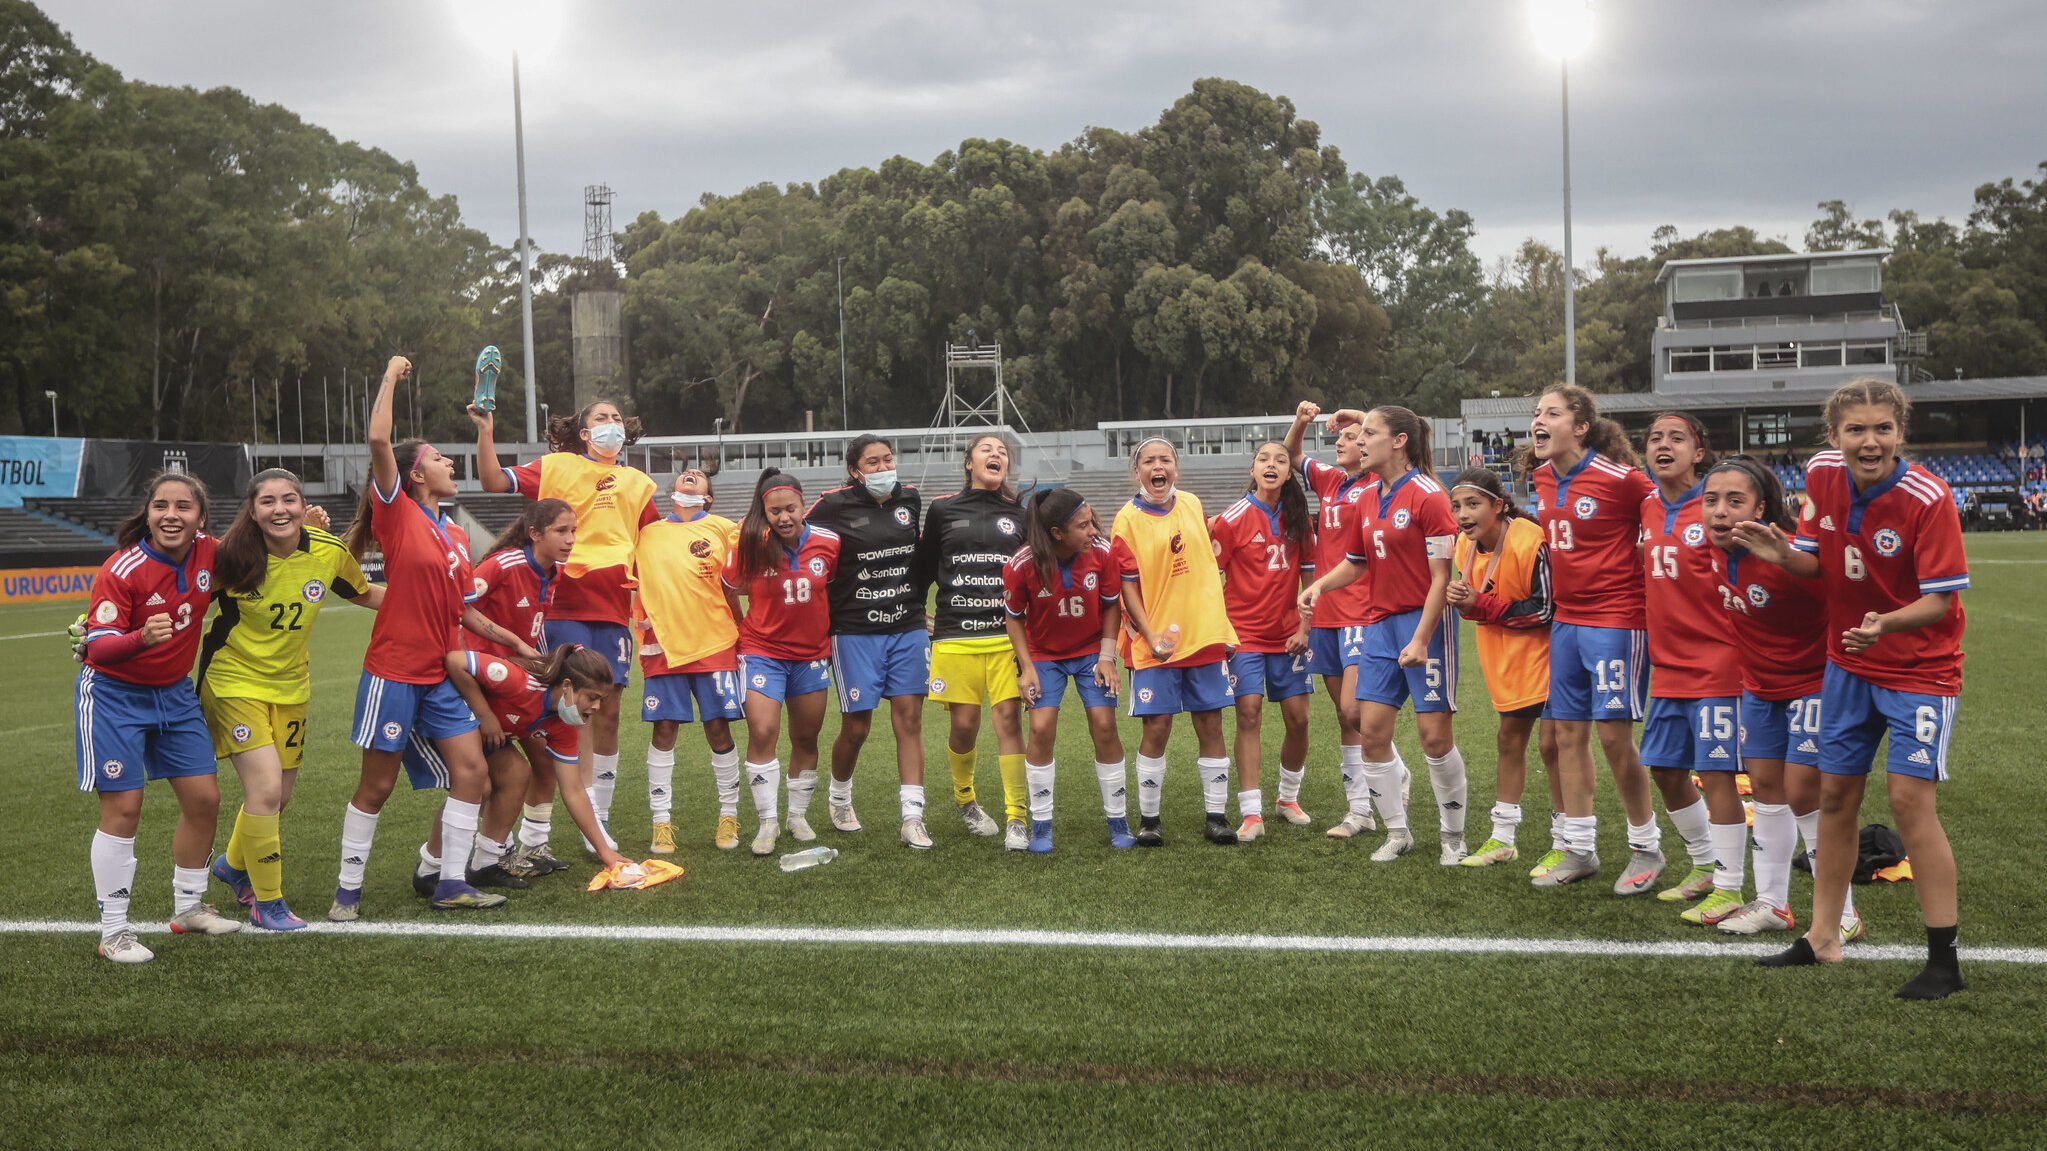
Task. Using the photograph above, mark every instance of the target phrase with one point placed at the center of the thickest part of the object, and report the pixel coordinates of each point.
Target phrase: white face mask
(568, 711)
(608, 438)
(686, 501)
(880, 484)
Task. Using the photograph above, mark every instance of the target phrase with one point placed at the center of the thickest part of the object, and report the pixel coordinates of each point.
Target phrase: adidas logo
(1718, 753)
(524, 602)
(1150, 783)
(1042, 793)
(1119, 793)
(273, 857)
(1920, 757)
(1453, 805)
(1432, 697)
(1808, 746)
(1614, 704)
(660, 792)
(1044, 593)
(155, 599)
(759, 779)
(121, 894)
(1258, 538)
(353, 861)
(1827, 523)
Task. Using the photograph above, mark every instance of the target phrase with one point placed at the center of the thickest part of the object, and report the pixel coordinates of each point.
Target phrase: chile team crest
(1694, 535)
(1758, 594)
(1400, 518)
(817, 565)
(1887, 542)
(1584, 506)
(903, 516)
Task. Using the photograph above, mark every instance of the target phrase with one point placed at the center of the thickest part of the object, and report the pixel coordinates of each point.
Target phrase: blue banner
(37, 466)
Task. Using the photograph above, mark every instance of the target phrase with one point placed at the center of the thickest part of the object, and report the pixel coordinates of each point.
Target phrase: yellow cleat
(664, 839)
(728, 832)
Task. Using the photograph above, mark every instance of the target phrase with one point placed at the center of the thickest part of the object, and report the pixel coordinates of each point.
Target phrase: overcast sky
(1693, 114)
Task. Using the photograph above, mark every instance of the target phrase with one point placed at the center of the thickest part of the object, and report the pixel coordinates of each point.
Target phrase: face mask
(608, 438)
(880, 484)
(686, 501)
(568, 711)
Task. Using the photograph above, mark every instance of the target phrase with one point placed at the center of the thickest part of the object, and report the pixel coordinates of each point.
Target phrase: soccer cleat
(799, 829)
(543, 857)
(664, 839)
(236, 879)
(1550, 859)
(517, 863)
(1119, 833)
(1148, 833)
(1017, 837)
(914, 834)
(1253, 828)
(1851, 928)
(1290, 810)
(1217, 830)
(1041, 836)
(1640, 873)
(843, 818)
(424, 885)
(764, 839)
(273, 915)
(1717, 906)
(1399, 841)
(204, 920)
(978, 821)
(495, 876)
(1757, 918)
(1574, 866)
(1353, 825)
(347, 906)
(1453, 852)
(1696, 882)
(489, 362)
(125, 948)
(728, 833)
(1490, 852)
(455, 895)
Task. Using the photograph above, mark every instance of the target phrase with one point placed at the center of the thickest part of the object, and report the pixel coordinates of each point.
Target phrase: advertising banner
(46, 585)
(120, 467)
(37, 466)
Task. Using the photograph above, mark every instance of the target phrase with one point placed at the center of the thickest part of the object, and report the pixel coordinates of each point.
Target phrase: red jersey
(1336, 495)
(1063, 622)
(1780, 626)
(138, 582)
(1691, 637)
(787, 613)
(521, 703)
(1878, 551)
(427, 583)
(1591, 518)
(1397, 533)
(512, 591)
(1261, 574)
(597, 582)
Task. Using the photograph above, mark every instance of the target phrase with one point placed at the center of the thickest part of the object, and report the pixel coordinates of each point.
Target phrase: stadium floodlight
(1563, 29)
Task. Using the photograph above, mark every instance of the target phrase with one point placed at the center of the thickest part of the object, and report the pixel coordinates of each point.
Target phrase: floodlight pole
(525, 255)
(845, 411)
(1570, 303)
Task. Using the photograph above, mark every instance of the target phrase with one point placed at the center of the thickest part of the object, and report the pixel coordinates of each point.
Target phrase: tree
(1837, 230)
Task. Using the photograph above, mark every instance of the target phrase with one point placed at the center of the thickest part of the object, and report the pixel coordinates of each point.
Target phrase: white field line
(1012, 937)
(32, 635)
(2008, 561)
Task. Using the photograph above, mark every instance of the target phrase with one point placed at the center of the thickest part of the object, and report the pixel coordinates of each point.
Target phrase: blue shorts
(1597, 672)
(1274, 675)
(1693, 734)
(1331, 649)
(1855, 713)
(870, 668)
(1432, 686)
(1172, 690)
(1053, 674)
(613, 641)
(1786, 729)
(782, 679)
(424, 767)
(132, 732)
(389, 713)
(684, 695)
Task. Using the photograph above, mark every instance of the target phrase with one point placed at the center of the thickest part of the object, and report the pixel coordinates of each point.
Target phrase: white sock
(458, 835)
(1446, 778)
(429, 863)
(1151, 780)
(661, 783)
(1038, 785)
(1581, 833)
(1776, 837)
(1250, 803)
(113, 878)
(1649, 836)
(1355, 793)
(1809, 830)
(1290, 783)
(1215, 784)
(603, 782)
(1109, 777)
(800, 789)
(590, 793)
(486, 853)
(840, 792)
(766, 781)
(1558, 841)
(725, 770)
(910, 797)
(1693, 826)
(536, 823)
(1730, 856)
(1382, 785)
(358, 831)
(1506, 819)
(188, 888)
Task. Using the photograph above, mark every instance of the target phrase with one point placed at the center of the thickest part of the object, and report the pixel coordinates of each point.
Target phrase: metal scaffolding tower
(992, 406)
(597, 223)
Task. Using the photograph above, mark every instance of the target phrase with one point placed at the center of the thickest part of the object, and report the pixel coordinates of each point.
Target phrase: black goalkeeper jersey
(968, 536)
(876, 589)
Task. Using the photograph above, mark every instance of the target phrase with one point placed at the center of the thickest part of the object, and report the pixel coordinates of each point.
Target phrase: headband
(1479, 488)
(780, 487)
(1147, 442)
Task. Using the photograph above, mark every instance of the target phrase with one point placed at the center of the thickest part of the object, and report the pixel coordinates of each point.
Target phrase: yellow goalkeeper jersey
(256, 648)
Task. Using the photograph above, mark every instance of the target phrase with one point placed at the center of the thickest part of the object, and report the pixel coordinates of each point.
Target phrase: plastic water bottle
(1172, 641)
(804, 860)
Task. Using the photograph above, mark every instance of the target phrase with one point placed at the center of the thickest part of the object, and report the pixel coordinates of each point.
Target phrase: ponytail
(1048, 508)
(581, 666)
(754, 530)
(1401, 421)
(359, 535)
(1294, 520)
(537, 516)
(1602, 435)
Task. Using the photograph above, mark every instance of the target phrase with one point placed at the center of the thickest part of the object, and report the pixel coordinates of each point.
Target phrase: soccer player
(968, 536)
(1589, 493)
(880, 648)
(1176, 636)
(273, 572)
(1884, 539)
(613, 501)
(1336, 639)
(138, 718)
(689, 661)
(1695, 675)
(1505, 590)
(1400, 546)
(404, 690)
(782, 566)
(1264, 545)
(1061, 598)
(1780, 625)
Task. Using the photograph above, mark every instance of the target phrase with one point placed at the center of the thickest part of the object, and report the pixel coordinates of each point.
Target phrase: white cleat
(843, 818)
(764, 839)
(1290, 810)
(1353, 825)
(799, 829)
(978, 822)
(1399, 841)
(915, 834)
(204, 920)
(1018, 837)
(125, 948)
(1453, 851)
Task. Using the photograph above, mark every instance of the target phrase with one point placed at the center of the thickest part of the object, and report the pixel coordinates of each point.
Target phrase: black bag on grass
(1880, 848)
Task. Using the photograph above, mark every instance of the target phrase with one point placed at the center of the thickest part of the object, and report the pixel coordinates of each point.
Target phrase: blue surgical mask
(608, 438)
(880, 484)
(569, 713)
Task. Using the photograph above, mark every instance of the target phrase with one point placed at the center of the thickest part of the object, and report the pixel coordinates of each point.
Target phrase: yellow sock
(1016, 793)
(236, 851)
(264, 853)
(962, 774)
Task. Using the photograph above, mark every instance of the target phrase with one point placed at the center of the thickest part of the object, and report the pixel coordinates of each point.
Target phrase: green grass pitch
(325, 1040)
